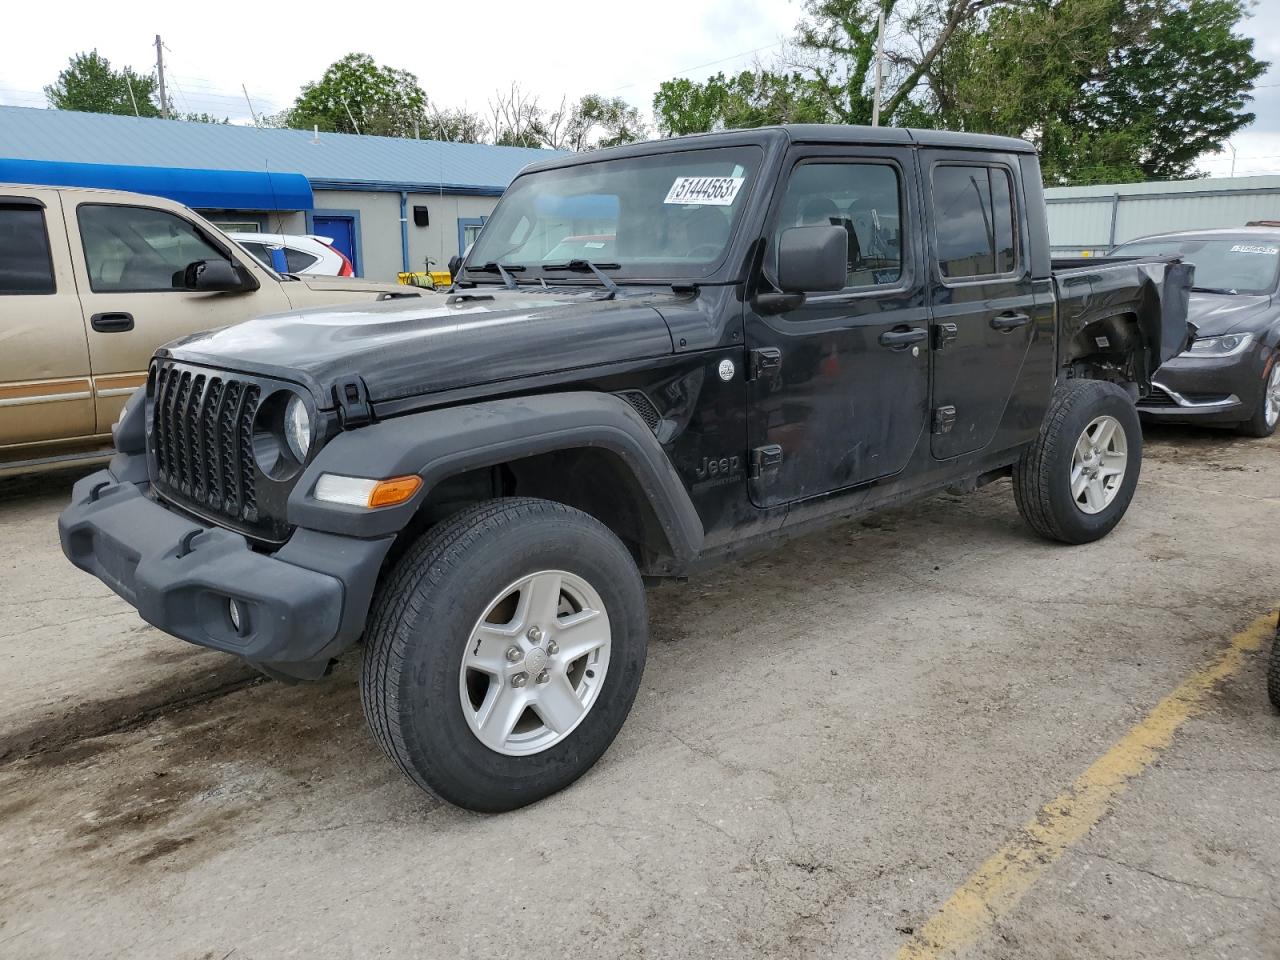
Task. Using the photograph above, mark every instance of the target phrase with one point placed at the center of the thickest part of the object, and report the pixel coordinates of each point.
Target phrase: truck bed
(1104, 303)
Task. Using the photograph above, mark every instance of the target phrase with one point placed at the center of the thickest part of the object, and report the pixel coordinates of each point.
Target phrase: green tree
(356, 95)
(454, 126)
(752, 98)
(590, 123)
(1109, 90)
(90, 84)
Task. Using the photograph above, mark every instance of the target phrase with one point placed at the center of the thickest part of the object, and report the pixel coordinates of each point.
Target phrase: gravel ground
(829, 740)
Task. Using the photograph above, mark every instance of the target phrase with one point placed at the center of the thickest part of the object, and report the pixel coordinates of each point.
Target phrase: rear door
(982, 297)
(45, 393)
(128, 258)
(839, 388)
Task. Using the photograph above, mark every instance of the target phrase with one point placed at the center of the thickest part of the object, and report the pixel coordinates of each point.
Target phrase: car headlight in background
(1228, 345)
(297, 428)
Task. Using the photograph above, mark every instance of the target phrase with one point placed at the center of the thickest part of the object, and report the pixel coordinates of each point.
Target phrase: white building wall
(1091, 219)
(380, 239)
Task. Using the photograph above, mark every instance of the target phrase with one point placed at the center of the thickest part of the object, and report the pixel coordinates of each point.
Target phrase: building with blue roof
(389, 204)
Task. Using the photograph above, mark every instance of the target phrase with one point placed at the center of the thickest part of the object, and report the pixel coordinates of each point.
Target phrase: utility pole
(252, 112)
(875, 106)
(164, 101)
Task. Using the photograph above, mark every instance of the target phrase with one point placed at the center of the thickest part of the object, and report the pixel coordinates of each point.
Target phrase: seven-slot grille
(202, 440)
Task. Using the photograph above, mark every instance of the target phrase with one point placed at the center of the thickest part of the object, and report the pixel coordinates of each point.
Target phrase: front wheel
(505, 652)
(1075, 482)
(1267, 414)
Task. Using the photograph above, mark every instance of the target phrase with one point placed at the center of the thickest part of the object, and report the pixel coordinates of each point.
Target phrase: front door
(983, 299)
(839, 388)
(128, 256)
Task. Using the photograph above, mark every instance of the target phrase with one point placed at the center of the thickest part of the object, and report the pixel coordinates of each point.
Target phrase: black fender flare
(437, 444)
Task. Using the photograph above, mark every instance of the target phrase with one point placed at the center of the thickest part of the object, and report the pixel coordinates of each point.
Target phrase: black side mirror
(212, 276)
(455, 264)
(813, 259)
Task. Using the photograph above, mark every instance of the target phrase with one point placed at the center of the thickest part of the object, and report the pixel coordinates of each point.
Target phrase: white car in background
(302, 253)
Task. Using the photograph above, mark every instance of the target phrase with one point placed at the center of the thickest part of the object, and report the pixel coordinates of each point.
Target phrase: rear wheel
(1076, 481)
(505, 652)
(1267, 414)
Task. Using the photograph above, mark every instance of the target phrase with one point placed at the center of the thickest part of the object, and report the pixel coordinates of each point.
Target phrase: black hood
(404, 348)
(1216, 313)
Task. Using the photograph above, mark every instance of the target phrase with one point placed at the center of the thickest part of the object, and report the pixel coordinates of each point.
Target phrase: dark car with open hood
(1230, 375)
(654, 358)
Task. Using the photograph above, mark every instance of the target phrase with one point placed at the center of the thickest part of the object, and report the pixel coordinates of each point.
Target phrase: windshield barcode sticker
(1254, 248)
(709, 191)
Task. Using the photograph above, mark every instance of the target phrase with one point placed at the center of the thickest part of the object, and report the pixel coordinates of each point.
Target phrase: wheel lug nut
(520, 679)
(535, 634)
(513, 654)
(553, 647)
(542, 677)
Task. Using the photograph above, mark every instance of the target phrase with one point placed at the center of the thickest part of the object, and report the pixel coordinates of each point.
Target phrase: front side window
(670, 215)
(865, 199)
(25, 264)
(974, 221)
(139, 249)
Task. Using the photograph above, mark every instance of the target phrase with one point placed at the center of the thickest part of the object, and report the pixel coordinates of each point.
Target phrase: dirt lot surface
(829, 742)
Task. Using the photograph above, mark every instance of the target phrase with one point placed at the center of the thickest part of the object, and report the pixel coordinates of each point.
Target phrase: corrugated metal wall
(1090, 220)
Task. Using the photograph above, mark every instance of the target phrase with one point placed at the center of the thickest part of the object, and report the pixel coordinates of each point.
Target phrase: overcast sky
(460, 52)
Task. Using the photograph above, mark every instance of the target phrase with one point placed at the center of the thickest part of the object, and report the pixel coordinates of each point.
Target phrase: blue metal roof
(332, 160)
(202, 189)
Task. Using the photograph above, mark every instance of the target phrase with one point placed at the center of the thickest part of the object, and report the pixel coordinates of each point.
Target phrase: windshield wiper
(493, 266)
(1226, 290)
(583, 266)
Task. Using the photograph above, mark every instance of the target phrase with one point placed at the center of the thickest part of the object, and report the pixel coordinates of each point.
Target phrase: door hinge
(351, 397)
(944, 333)
(944, 418)
(765, 460)
(764, 362)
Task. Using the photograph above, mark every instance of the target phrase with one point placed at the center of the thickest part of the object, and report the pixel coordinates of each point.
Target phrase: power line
(709, 63)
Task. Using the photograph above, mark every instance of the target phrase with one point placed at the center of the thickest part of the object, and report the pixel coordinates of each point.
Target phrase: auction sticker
(707, 191)
(1254, 248)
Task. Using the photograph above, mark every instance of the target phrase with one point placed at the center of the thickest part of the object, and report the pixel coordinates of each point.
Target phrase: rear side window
(974, 221)
(297, 260)
(139, 249)
(26, 266)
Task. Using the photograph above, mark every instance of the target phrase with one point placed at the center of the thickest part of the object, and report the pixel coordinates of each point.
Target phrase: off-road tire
(1273, 674)
(419, 629)
(1042, 476)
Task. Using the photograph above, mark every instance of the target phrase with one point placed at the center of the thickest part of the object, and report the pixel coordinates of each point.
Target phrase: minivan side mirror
(813, 259)
(212, 276)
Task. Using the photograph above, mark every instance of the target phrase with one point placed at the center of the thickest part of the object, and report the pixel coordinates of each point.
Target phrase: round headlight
(1228, 343)
(297, 428)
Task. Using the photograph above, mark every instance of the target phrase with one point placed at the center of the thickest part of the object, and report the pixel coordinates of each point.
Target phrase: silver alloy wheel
(1098, 464)
(535, 663)
(1272, 396)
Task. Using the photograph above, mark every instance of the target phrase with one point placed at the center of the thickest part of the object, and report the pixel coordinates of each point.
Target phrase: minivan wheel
(504, 652)
(1075, 482)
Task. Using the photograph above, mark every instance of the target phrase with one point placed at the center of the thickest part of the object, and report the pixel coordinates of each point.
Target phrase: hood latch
(351, 397)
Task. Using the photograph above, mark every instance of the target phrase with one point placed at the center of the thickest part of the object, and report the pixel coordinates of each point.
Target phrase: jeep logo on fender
(722, 468)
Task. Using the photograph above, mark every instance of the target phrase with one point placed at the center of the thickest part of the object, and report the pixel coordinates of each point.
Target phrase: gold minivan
(91, 283)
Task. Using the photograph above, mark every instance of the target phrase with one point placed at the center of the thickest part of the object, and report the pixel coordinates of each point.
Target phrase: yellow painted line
(1001, 882)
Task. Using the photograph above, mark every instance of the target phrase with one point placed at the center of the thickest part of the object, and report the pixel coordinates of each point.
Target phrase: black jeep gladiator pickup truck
(655, 357)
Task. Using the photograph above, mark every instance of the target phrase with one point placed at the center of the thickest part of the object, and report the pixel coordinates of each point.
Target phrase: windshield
(1223, 264)
(665, 216)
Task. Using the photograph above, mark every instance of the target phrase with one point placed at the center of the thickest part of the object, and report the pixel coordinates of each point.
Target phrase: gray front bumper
(300, 606)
